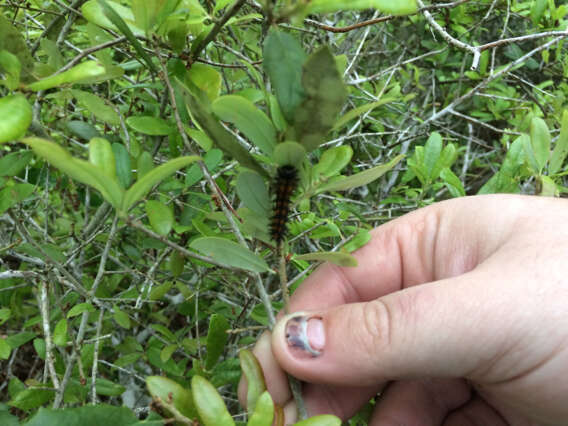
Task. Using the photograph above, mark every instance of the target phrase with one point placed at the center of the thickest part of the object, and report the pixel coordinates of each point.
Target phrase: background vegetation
(137, 144)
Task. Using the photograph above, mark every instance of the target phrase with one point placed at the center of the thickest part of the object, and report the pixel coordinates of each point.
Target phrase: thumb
(436, 330)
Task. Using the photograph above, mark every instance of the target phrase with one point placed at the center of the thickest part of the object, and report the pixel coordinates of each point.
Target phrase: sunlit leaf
(209, 403)
(254, 376)
(82, 73)
(15, 117)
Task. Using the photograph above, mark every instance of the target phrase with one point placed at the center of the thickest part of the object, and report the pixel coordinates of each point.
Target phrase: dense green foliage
(138, 140)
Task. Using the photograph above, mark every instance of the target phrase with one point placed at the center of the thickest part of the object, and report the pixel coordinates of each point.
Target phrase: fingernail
(305, 334)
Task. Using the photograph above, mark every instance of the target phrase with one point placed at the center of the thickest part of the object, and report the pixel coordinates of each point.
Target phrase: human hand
(457, 312)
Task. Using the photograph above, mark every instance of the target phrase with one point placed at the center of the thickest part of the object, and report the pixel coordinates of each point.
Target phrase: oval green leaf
(209, 404)
(161, 217)
(84, 72)
(101, 155)
(254, 376)
(263, 414)
(80, 170)
(15, 117)
(251, 121)
(139, 190)
(289, 153)
(333, 160)
(253, 192)
(362, 178)
(216, 339)
(283, 60)
(230, 253)
(540, 141)
(173, 393)
(148, 125)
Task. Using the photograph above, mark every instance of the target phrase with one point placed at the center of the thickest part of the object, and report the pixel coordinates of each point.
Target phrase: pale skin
(457, 314)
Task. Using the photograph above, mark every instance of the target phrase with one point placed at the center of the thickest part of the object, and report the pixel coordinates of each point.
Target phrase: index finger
(440, 241)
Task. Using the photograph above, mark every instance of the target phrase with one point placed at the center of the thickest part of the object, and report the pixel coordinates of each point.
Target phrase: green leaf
(122, 163)
(209, 403)
(357, 112)
(5, 314)
(333, 160)
(167, 352)
(165, 331)
(253, 192)
(79, 309)
(85, 72)
(537, 10)
(325, 95)
(83, 130)
(97, 106)
(432, 152)
(548, 187)
(176, 264)
(283, 60)
(560, 148)
(107, 388)
(144, 164)
(321, 420)
(161, 216)
(139, 190)
(29, 399)
(251, 121)
(399, 7)
(19, 339)
(102, 156)
(254, 376)
(362, 178)
(263, 414)
(337, 258)
(15, 117)
(88, 415)
(201, 110)
(6, 419)
(289, 152)
(60, 333)
(121, 317)
(13, 164)
(540, 142)
(11, 68)
(230, 253)
(119, 23)
(93, 12)
(5, 349)
(452, 182)
(77, 169)
(216, 339)
(160, 291)
(359, 240)
(153, 126)
(11, 40)
(12, 195)
(206, 78)
(173, 393)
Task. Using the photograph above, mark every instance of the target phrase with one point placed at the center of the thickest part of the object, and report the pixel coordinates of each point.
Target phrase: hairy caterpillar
(284, 185)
